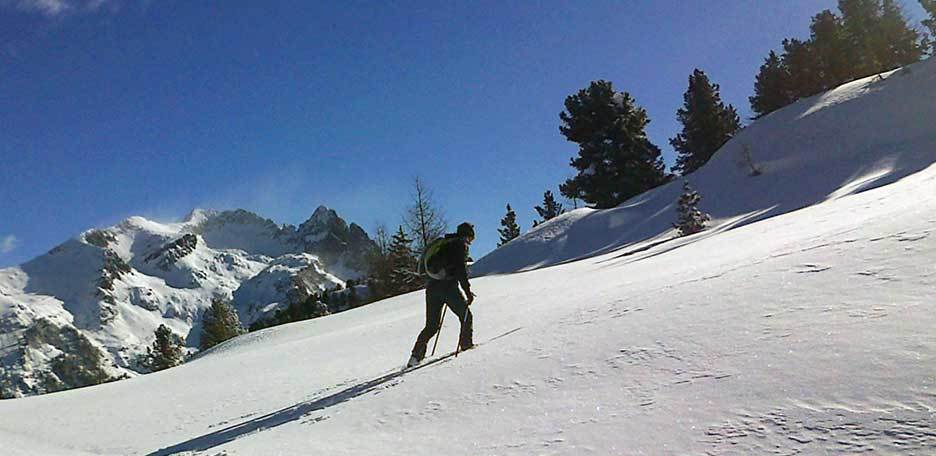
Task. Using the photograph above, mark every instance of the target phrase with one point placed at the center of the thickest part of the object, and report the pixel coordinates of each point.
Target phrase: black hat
(465, 230)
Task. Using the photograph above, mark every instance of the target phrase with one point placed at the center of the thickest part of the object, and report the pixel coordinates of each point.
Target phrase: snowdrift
(859, 136)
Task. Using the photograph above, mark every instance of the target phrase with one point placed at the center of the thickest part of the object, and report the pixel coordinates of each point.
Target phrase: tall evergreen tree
(379, 264)
(403, 276)
(165, 352)
(879, 36)
(930, 7)
(870, 37)
(771, 87)
(510, 228)
(615, 160)
(898, 43)
(803, 69)
(829, 46)
(219, 323)
(549, 210)
(707, 124)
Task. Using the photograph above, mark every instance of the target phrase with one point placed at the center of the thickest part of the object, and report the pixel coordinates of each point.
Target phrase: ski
(447, 356)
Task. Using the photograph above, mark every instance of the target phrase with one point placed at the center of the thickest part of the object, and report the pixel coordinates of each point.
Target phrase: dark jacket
(452, 257)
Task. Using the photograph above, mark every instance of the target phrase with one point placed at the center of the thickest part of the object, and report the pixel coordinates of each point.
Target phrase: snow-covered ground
(809, 332)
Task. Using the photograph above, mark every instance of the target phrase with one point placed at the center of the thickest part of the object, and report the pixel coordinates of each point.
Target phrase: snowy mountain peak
(321, 216)
(114, 286)
(199, 215)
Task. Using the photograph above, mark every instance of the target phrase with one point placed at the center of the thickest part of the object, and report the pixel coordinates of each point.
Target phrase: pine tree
(691, 220)
(799, 58)
(870, 37)
(403, 276)
(771, 87)
(510, 228)
(616, 160)
(829, 45)
(165, 352)
(898, 44)
(549, 210)
(930, 7)
(707, 124)
(879, 36)
(219, 323)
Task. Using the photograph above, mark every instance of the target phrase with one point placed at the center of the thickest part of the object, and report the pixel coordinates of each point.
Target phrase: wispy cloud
(8, 243)
(55, 8)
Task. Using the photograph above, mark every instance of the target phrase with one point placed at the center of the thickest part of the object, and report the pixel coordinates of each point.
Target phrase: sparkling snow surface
(810, 332)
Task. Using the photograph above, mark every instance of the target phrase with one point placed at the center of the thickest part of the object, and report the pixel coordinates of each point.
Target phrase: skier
(445, 263)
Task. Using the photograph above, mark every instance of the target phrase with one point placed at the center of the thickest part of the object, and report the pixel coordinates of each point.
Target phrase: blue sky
(112, 108)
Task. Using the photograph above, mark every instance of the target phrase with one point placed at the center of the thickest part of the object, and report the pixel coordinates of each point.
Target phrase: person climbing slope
(445, 264)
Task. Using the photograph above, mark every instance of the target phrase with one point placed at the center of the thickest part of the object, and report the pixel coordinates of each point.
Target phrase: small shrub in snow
(748, 162)
(691, 219)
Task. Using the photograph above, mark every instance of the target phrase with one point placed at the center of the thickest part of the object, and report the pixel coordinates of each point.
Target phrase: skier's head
(466, 232)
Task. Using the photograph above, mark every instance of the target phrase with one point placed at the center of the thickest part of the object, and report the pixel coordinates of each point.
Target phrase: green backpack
(432, 263)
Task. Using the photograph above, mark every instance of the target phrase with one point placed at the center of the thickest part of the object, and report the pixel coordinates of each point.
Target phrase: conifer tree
(930, 7)
(898, 43)
(829, 46)
(870, 37)
(803, 68)
(879, 36)
(219, 323)
(510, 228)
(707, 124)
(379, 266)
(771, 87)
(403, 276)
(549, 210)
(165, 352)
(691, 220)
(616, 160)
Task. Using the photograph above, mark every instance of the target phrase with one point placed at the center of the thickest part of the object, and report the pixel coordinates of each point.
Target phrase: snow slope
(810, 332)
(861, 135)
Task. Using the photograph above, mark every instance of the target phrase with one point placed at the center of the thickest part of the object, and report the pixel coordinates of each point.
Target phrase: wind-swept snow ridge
(862, 135)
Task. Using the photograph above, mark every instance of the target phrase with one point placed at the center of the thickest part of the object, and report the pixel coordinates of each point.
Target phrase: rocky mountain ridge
(83, 313)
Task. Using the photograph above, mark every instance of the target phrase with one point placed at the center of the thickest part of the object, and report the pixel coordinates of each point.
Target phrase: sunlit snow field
(800, 323)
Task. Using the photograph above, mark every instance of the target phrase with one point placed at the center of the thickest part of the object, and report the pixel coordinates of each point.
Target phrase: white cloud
(8, 243)
(53, 8)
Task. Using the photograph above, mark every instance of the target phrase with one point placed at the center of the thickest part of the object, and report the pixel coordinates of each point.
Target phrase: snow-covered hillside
(859, 136)
(810, 332)
(82, 313)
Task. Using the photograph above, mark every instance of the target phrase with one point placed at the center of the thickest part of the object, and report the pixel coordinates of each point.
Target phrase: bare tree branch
(424, 219)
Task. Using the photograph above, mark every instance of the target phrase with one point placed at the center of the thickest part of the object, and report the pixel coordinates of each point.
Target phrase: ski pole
(461, 325)
(439, 332)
